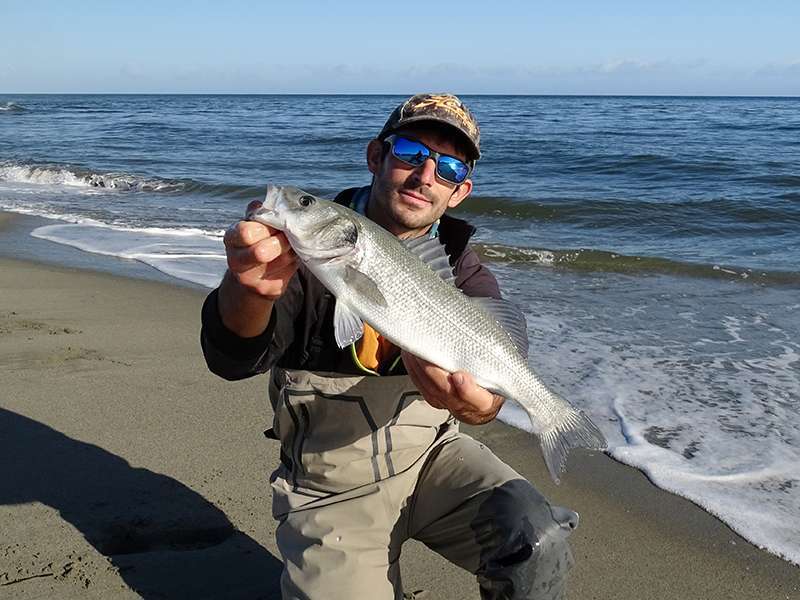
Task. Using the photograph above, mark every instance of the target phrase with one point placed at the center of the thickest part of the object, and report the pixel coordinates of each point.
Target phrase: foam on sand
(189, 254)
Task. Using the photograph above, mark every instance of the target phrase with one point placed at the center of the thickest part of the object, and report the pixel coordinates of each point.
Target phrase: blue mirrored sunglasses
(414, 153)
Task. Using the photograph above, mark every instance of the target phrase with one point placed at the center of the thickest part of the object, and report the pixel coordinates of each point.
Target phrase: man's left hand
(457, 392)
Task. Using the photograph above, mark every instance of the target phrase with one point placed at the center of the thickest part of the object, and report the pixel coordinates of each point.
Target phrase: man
(371, 454)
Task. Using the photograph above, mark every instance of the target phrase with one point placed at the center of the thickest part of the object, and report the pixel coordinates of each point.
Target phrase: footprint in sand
(12, 321)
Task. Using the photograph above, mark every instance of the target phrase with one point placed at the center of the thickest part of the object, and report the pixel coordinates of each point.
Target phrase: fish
(405, 291)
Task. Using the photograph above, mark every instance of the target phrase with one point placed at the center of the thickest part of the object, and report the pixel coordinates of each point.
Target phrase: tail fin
(576, 431)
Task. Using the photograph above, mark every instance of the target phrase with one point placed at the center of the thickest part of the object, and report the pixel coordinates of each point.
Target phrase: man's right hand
(260, 265)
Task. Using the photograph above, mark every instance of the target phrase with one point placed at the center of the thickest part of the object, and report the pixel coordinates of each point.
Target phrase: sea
(653, 243)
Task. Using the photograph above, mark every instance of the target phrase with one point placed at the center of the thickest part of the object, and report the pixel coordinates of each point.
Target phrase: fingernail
(458, 379)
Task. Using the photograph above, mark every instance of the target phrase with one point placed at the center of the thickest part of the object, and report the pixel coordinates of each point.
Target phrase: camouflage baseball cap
(441, 108)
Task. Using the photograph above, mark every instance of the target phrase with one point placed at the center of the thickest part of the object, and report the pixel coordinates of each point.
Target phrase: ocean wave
(62, 175)
(53, 174)
(647, 165)
(12, 107)
(786, 127)
(66, 175)
(612, 262)
(91, 225)
(778, 180)
(630, 211)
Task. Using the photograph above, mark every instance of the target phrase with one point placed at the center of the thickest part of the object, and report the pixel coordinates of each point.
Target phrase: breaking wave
(60, 175)
(10, 107)
(642, 213)
(612, 262)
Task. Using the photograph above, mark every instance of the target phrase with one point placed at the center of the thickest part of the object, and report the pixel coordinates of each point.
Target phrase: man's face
(406, 200)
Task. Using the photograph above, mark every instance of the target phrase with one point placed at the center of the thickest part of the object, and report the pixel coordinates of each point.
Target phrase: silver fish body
(377, 279)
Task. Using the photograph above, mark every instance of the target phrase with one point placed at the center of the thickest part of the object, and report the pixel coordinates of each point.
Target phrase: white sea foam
(62, 176)
(11, 107)
(46, 211)
(753, 487)
(697, 388)
(189, 254)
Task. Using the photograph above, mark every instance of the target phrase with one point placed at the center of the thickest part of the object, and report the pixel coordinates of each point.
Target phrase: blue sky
(309, 46)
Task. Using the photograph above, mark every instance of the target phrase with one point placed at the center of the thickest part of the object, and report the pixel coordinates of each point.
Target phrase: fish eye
(306, 200)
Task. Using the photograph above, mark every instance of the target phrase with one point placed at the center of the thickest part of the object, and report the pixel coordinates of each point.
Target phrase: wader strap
(285, 458)
(286, 461)
(386, 370)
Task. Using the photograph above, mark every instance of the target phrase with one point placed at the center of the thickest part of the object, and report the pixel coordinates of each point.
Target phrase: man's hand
(259, 257)
(456, 392)
(260, 265)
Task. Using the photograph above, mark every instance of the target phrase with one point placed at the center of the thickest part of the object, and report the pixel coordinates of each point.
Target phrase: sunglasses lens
(416, 153)
(409, 151)
(452, 169)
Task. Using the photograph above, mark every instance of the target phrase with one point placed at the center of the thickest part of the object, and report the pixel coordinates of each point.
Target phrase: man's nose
(426, 172)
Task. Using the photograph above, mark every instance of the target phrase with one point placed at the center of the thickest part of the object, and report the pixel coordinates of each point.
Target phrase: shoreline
(16, 242)
(106, 371)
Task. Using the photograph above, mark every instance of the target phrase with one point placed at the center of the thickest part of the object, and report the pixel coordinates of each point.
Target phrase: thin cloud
(780, 69)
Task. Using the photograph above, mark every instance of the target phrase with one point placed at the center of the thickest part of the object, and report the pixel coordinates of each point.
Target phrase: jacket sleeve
(233, 357)
(474, 278)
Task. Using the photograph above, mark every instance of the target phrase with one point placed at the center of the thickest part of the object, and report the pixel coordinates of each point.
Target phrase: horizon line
(498, 94)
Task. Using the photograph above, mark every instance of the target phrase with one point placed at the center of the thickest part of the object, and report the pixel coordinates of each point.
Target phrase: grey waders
(368, 464)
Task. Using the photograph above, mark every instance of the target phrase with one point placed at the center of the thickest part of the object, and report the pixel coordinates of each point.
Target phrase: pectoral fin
(347, 326)
(364, 286)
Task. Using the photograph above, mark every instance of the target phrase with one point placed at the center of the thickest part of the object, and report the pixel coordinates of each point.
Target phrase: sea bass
(406, 292)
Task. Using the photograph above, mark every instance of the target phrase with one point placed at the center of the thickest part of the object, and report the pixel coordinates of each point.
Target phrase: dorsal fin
(431, 251)
(510, 318)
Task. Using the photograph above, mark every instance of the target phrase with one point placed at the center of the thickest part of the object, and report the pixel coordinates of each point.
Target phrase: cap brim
(475, 151)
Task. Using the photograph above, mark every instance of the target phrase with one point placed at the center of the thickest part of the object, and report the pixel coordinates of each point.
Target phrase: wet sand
(128, 470)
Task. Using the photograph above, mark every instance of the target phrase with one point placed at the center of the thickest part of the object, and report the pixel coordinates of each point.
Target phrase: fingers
(422, 380)
(249, 245)
(260, 258)
(470, 394)
(246, 233)
(456, 392)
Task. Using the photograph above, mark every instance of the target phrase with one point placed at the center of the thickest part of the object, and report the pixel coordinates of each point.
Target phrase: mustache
(419, 190)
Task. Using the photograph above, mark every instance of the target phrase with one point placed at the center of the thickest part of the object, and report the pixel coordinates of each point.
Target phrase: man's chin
(410, 220)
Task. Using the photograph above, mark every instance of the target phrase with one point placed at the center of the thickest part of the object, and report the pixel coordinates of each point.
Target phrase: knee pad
(524, 524)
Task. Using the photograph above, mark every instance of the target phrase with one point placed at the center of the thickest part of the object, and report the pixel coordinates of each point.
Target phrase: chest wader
(339, 433)
(368, 464)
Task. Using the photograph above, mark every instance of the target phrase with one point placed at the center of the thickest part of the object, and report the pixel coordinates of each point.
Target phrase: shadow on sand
(166, 539)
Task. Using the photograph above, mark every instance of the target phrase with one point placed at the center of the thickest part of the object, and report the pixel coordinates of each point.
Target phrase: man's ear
(462, 191)
(374, 155)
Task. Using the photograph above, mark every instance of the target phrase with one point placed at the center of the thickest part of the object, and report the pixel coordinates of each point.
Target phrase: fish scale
(438, 322)
(376, 279)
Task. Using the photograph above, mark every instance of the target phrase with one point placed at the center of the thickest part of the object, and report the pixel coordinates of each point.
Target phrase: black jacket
(300, 331)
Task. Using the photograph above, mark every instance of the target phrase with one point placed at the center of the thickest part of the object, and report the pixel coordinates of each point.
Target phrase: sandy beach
(128, 470)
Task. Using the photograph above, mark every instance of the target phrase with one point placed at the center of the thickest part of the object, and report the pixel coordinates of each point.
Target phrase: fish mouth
(268, 212)
(265, 216)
